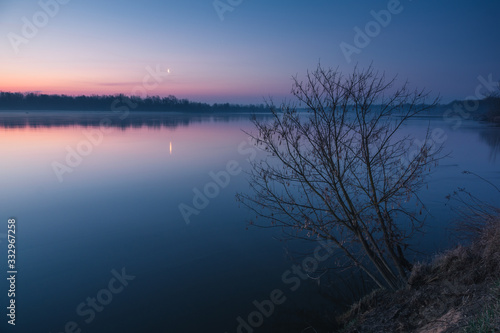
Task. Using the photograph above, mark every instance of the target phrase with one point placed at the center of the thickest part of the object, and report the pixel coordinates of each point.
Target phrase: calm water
(116, 211)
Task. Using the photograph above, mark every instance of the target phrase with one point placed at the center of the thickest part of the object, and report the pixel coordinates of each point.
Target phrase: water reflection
(36, 119)
(120, 208)
(491, 136)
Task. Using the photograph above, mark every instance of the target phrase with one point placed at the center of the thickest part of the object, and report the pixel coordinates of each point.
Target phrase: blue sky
(106, 47)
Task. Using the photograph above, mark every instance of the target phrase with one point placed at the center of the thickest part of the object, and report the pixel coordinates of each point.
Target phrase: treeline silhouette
(35, 101)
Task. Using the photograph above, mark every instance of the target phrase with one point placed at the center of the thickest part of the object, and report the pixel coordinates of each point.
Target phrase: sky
(242, 51)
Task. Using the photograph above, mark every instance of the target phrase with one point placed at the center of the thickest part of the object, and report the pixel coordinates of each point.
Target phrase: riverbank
(459, 291)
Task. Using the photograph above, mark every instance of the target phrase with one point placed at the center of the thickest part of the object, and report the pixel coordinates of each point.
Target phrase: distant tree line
(486, 109)
(35, 101)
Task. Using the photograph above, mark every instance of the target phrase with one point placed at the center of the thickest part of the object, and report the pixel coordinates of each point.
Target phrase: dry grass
(458, 292)
(488, 319)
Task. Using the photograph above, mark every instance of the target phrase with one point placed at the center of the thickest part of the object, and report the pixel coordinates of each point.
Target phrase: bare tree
(343, 172)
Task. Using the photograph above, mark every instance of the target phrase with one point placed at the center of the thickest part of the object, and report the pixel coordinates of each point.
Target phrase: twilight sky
(108, 47)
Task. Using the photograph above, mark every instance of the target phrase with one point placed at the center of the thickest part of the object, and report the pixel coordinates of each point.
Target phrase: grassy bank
(459, 291)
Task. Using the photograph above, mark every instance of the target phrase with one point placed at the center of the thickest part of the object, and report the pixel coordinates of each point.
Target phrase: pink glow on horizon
(218, 91)
(200, 82)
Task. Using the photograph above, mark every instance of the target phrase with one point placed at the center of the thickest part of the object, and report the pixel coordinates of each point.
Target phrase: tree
(492, 102)
(343, 172)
